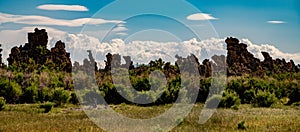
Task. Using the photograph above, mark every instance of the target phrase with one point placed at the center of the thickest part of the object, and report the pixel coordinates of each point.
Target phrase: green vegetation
(49, 86)
(242, 126)
(2, 103)
(47, 106)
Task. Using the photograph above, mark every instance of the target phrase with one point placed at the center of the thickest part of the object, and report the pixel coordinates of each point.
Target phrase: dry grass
(32, 118)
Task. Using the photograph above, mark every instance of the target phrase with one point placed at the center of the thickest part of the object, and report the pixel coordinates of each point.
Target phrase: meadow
(30, 117)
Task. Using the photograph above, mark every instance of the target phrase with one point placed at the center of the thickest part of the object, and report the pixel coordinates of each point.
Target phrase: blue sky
(275, 22)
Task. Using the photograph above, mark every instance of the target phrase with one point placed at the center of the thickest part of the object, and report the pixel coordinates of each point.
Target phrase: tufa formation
(36, 52)
(240, 61)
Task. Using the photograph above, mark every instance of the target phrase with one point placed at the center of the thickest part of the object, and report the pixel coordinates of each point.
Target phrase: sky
(273, 23)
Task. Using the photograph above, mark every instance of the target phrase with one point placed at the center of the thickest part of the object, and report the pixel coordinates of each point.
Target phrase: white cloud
(272, 50)
(121, 34)
(119, 29)
(276, 22)
(62, 7)
(201, 16)
(42, 20)
(140, 51)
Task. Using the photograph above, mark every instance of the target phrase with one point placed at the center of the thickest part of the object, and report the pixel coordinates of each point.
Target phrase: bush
(44, 94)
(213, 101)
(264, 99)
(229, 99)
(74, 99)
(60, 96)
(47, 106)
(30, 94)
(294, 92)
(93, 98)
(205, 84)
(241, 126)
(248, 96)
(2, 103)
(10, 90)
(141, 84)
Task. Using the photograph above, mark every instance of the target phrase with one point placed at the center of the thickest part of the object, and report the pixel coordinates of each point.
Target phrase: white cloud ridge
(54, 7)
(200, 17)
(140, 51)
(47, 21)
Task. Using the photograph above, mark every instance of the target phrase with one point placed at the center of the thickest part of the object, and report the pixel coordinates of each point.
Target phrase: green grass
(29, 117)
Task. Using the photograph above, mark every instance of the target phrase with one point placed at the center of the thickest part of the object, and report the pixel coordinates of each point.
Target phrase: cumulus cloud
(201, 16)
(276, 22)
(272, 50)
(62, 7)
(140, 51)
(42, 20)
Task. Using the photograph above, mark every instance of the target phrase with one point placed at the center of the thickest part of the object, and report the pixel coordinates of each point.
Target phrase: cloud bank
(54, 7)
(46, 21)
(140, 51)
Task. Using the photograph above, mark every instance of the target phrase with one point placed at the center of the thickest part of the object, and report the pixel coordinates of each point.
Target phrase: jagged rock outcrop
(36, 52)
(240, 61)
(1, 64)
(278, 65)
(60, 56)
(89, 66)
(114, 61)
(206, 68)
(191, 64)
(128, 63)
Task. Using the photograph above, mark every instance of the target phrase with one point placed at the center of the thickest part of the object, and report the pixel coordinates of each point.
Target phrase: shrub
(30, 94)
(93, 98)
(143, 98)
(111, 94)
(213, 101)
(2, 103)
(248, 96)
(60, 96)
(230, 99)
(241, 126)
(141, 84)
(264, 99)
(205, 84)
(19, 77)
(74, 99)
(44, 94)
(10, 90)
(294, 92)
(179, 120)
(47, 106)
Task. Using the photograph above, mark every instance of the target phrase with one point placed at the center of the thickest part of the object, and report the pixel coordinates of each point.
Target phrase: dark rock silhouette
(60, 57)
(112, 61)
(128, 63)
(36, 50)
(89, 65)
(1, 64)
(240, 61)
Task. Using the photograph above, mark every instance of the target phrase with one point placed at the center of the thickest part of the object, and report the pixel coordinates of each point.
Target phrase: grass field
(29, 117)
